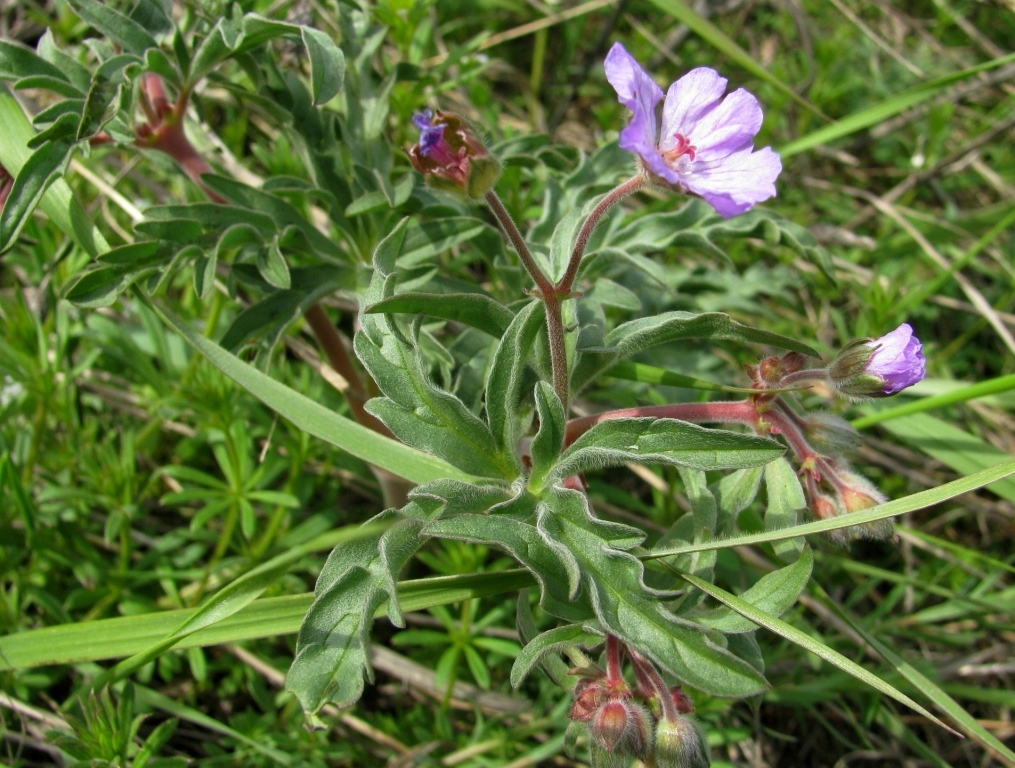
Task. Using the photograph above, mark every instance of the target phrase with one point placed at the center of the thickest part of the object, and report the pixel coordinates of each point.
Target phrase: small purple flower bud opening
(879, 367)
(705, 142)
(450, 155)
(898, 359)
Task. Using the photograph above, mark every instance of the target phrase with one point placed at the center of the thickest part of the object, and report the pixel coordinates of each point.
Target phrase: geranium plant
(482, 406)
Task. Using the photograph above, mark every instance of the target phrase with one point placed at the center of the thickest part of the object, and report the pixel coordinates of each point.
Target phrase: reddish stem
(648, 674)
(739, 411)
(614, 654)
(565, 284)
(543, 284)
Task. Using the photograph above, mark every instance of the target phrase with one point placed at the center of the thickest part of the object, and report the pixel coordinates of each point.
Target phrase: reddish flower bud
(450, 155)
(858, 495)
(588, 697)
(681, 700)
(622, 726)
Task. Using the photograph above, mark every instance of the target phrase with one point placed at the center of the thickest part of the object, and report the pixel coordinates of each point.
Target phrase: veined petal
(688, 101)
(729, 127)
(640, 94)
(742, 179)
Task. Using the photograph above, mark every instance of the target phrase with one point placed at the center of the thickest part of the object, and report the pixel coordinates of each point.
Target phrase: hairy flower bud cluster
(625, 725)
(450, 155)
(616, 722)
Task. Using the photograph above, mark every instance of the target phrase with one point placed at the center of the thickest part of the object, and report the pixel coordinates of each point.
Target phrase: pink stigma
(682, 147)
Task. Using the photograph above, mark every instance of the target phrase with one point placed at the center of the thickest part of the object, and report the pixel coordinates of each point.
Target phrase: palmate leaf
(697, 226)
(553, 641)
(416, 410)
(774, 593)
(627, 608)
(636, 336)
(555, 569)
(333, 645)
(663, 441)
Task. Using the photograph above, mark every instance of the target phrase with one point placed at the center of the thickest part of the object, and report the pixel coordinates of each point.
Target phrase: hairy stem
(543, 284)
(614, 650)
(565, 284)
(802, 377)
(549, 295)
(558, 350)
(739, 411)
(649, 675)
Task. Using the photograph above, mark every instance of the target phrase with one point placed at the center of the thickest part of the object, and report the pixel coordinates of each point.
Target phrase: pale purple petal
(738, 182)
(898, 359)
(729, 127)
(706, 141)
(640, 94)
(688, 100)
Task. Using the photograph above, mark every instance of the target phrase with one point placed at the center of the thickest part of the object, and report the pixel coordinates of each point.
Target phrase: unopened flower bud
(826, 508)
(681, 744)
(450, 155)
(829, 434)
(858, 495)
(879, 367)
(681, 700)
(622, 726)
(588, 697)
(771, 370)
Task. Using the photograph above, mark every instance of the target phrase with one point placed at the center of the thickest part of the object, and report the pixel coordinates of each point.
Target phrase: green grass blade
(59, 203)
(971, 392)
(267, 617)
(890, 107)
(961, 450)
(805, 641)
(945, 703)
(901, 506)
(232, 598)
(718, 39)
(314, 418)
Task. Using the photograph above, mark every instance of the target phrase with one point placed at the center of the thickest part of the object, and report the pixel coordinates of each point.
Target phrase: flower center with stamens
(683, 148)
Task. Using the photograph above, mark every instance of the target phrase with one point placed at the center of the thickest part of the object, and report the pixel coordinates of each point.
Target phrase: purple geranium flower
(706, 144)
(897, 359)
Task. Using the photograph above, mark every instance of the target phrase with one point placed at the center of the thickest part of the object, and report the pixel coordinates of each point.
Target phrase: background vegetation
(136, 478)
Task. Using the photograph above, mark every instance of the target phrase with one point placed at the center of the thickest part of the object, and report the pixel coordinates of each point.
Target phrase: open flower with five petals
(705, 143)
